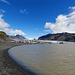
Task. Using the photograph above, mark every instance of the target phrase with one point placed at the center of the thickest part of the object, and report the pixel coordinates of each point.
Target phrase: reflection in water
(47, 59)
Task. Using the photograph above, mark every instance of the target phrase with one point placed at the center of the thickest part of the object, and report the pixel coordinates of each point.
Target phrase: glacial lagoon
(46, 59)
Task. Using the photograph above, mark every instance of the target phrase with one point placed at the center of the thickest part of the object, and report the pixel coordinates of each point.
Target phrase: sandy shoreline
(7, 65)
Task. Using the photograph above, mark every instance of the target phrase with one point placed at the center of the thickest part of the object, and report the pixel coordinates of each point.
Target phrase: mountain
(59, 37)
(3, 36)
(18, 37)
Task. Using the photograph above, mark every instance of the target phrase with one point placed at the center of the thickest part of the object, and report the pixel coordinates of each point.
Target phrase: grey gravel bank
(7, 65)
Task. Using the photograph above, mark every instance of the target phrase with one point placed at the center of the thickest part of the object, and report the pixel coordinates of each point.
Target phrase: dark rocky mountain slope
(59, 37)
(17, 37)
(3, 36)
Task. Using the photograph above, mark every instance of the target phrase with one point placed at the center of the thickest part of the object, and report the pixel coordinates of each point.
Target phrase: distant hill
(18, 37)
(3, 36)
(59, 37)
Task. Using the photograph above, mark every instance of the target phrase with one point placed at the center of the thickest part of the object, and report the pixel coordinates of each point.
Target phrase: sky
(34, 18)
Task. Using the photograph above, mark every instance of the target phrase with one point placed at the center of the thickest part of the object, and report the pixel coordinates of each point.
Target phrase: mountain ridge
(59, 37)
(5, 37)
(18, 37)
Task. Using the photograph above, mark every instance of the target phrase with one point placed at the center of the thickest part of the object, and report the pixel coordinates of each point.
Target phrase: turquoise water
(46, 59)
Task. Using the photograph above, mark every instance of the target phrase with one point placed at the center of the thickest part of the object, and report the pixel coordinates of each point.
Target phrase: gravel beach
(7, 65)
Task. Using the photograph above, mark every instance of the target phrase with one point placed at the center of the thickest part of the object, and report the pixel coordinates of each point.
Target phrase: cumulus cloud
(5, 1)
(47, 30)
(42, 33)
(64, 23)
(5, 27)
(24, 11)
(73, 8)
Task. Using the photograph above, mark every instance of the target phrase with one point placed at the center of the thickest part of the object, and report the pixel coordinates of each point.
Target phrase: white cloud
(2, 11)
(24, 11)
(30, 38)
(42, 33)
(73, 8)
(5, 1)
(47, 30)
(64, 23)
(5, 27)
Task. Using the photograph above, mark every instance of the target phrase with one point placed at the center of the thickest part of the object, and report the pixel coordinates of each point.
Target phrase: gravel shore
(7, 65)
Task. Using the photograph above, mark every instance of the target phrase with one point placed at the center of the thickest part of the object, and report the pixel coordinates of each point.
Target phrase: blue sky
(34, 18)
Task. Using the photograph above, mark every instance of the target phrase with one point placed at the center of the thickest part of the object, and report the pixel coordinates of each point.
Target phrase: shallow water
(46, 59)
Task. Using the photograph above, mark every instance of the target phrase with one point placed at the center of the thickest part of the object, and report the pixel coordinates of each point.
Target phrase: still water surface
(46, 59)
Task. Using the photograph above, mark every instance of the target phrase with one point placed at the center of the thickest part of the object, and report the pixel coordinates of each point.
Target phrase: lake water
(46, 59)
